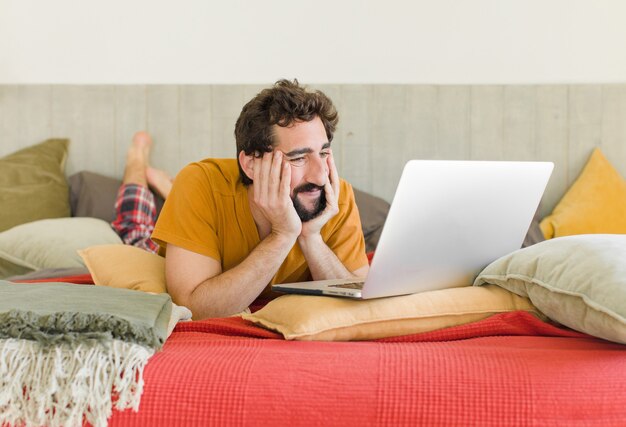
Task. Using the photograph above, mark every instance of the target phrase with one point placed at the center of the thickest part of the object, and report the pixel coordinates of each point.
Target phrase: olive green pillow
(33, 184)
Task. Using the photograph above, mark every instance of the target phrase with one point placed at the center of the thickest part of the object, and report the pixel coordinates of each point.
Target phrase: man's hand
(272, 178)
(331, 190)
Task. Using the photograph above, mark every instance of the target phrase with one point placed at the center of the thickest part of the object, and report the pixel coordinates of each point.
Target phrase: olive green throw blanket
(70, 353)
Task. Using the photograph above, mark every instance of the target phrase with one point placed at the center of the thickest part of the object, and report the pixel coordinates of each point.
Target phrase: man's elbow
(203, 305)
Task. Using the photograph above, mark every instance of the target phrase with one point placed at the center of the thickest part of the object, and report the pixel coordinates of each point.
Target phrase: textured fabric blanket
(69, 354)
(508, 370)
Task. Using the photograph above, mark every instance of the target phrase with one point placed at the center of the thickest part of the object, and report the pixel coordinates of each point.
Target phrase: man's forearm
(322, 261)
(234, 290)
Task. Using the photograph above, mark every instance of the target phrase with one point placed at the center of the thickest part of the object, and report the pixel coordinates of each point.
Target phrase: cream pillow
(304, 317)
(578, 281)
(124, 266)
(50, 243)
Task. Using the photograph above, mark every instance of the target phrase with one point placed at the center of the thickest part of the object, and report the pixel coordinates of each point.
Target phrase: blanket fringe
(65, 384)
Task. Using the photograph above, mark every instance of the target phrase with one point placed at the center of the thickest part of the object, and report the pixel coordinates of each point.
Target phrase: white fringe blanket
(63, 385)
(72, 353)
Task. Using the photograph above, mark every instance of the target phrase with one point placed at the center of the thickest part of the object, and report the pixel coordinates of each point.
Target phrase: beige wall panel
(226, 104)
(25, 116)
(355, 167)
(86, 115)
(519, 121)
(422, 122)
(551, 140)
(380, 126)
(9, 114)
(352, 146)
(223, 138)
(453, 112)
(34, 114)
(195, 123)
(163, 105)
(486, 120)
(250, 91)
(130, 117)
(390, 142)
(614, 126)
(584, 127)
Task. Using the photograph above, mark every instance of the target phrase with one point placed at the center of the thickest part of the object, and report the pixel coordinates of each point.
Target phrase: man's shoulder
(222, 175)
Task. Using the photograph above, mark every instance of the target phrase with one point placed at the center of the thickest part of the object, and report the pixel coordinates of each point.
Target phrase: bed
(508, 369)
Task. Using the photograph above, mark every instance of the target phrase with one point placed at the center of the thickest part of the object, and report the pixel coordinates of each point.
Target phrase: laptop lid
(449, 219)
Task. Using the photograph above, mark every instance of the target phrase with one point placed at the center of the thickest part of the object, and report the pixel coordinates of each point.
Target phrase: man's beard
(318, 206)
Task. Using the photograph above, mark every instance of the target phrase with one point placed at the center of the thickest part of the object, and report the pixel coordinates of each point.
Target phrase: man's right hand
(271, 194)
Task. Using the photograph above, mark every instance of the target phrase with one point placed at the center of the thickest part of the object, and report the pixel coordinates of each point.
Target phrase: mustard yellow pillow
(594, 204)
(316, 318)
(124, 266)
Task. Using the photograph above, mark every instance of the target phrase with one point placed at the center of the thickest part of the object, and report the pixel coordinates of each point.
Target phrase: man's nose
(317, 172)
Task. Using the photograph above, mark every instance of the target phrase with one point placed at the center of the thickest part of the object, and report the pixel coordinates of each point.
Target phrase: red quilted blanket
(510, 369)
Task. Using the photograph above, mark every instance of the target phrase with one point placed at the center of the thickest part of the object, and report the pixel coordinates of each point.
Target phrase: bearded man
(230, 228)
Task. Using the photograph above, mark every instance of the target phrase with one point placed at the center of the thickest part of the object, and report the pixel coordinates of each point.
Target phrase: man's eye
(324, 154)
(297, 161)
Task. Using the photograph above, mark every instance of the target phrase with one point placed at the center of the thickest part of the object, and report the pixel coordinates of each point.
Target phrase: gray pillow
(534, 235)
(93, 195)
(373, 212)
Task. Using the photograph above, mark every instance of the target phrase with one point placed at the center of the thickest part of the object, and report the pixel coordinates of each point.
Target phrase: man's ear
(247, 164)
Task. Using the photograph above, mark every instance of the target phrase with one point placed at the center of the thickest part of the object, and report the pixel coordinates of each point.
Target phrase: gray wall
(381, 126)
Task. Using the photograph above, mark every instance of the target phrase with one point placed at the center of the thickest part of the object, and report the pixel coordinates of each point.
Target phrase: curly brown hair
(282, 104)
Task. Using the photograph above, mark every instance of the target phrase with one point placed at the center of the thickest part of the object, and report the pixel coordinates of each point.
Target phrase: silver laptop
(447, 221)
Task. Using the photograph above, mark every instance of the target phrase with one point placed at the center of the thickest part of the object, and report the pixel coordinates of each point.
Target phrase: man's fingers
(274, 178)
(266, 163)
(285, 180)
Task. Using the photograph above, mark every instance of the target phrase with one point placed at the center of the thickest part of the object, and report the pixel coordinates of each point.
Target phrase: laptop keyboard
(351, 285)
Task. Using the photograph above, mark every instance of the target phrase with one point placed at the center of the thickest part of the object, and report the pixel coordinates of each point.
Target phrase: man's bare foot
(137, 159)
(160, 181)
(142, 142)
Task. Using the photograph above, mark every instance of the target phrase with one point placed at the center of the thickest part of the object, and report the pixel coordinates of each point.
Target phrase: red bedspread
(510, 369)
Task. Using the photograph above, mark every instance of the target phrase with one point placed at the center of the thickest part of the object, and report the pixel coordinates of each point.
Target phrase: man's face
(306, 148)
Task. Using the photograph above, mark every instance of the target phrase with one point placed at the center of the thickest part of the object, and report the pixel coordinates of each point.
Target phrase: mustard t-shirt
(208, 212)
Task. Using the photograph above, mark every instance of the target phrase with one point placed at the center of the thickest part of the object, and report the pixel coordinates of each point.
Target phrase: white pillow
(578, 281)
(51, 243)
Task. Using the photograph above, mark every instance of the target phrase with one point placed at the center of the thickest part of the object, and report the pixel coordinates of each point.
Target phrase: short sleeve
(188, 218)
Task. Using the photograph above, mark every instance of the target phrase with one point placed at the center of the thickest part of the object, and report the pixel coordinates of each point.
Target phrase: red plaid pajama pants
(135, 216)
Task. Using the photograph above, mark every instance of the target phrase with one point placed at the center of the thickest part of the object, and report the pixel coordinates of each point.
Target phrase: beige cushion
(579, 281)
(33, 184)
(123, 266)
(50, 243)
(304, 317)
